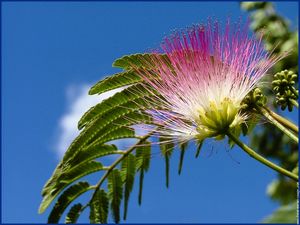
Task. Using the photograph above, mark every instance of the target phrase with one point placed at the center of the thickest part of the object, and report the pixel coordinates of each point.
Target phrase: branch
(261, 159)
(267, 113)
(282, 120)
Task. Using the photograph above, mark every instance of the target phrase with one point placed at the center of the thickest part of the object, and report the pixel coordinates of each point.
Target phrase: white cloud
(78, 102)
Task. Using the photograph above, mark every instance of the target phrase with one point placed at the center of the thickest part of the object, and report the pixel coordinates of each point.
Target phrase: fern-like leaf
(141, 181)
(134, 95)
(114, 134)
(166, 148)
(128, 77)
(115, 81)
(66, 198)
(89, 137)
(92, 153)
(128, 173)
(73, 214)
(99, 207)
(143, 156)
(80, 171)
(67, 178)
(115, 193)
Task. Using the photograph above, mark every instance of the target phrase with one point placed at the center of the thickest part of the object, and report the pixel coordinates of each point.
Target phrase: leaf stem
(273, 118)
(261, 159)
(282, 120)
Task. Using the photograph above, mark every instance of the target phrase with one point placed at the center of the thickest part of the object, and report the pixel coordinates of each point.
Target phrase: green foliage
(285, 214)
(73, 214)
(182, 147)
(127, 62)
(278, 190)
(166, 147)
(115, 193)
(99, 207)
(132, 97)
(65, 199)
(115, 81)
(107, 121)
(280, 37)
(128, 173)
(143, 156)
(112, 120)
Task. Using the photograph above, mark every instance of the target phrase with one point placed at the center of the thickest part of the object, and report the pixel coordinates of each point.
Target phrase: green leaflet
(66, 198)
(116, 133)
(67, 178)
(141, 181)
(131, 119)
(91, 133)
(143, 156)
(92, 153)
(56, 186)
(73, 214)
(115, 193)
(166, 148)
(138, 60)
(133, 95)
(128, 172)
(182, 147)
(115, 81)
(79, 171)
(99, 207)
(127, 77)
(108, 119)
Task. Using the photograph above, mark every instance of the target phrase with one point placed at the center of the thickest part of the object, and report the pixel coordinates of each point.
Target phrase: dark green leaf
(166, 147)
(128, 173)
(137, 60)
(80, 171)
(90, 136)
(99, 207)
(182, 151)
(73, 214)
(92, 153)
(67, 178)
(106, 132)
(114, 134)
(115, 81)
(66, 198)
(115, 193)
(141, 181)
(132, 96)
(199, 146)
(143, 156)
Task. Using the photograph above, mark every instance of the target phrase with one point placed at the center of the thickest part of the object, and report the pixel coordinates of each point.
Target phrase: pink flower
(207, 74)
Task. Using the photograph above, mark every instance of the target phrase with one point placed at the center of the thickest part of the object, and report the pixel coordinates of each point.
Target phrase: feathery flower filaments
(203, 79)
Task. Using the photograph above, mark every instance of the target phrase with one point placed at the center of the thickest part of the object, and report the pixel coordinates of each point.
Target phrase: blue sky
(52, 53)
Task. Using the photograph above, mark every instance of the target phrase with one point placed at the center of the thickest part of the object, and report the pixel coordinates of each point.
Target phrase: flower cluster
(204, 78)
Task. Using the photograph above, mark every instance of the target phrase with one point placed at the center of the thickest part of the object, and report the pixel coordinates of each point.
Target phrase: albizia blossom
(201, 83)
